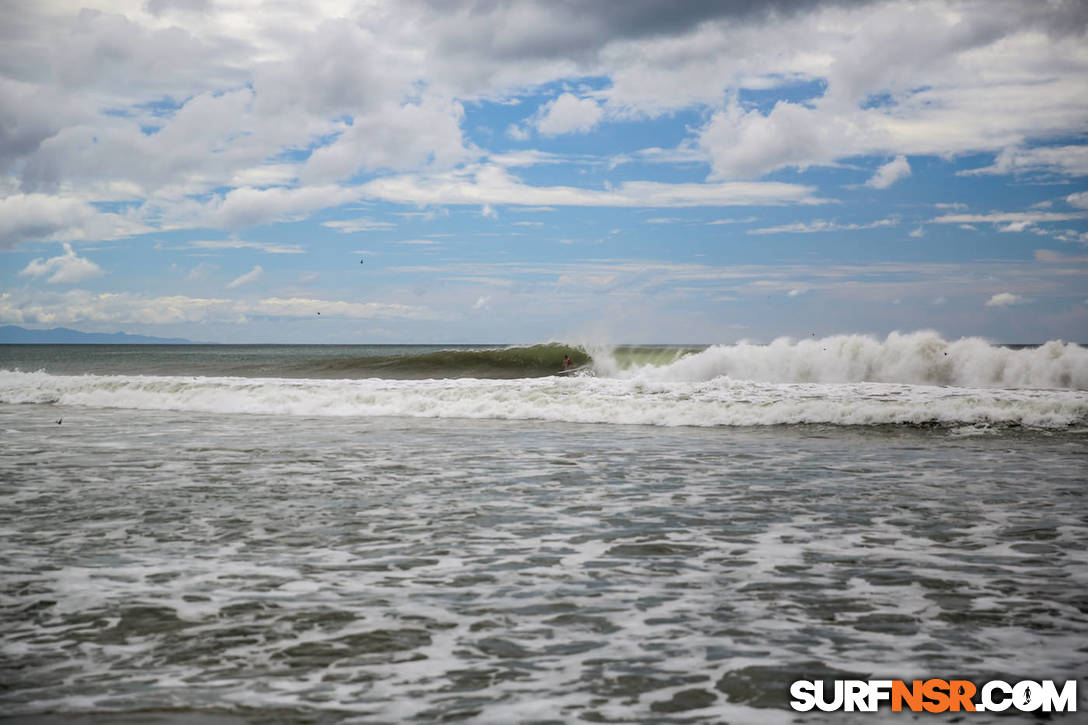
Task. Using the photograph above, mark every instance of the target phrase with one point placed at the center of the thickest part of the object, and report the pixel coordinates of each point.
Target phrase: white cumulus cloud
(68, 268)
(568, 114)
(152, 108)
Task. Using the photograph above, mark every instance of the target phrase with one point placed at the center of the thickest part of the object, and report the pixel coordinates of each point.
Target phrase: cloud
(268, 248)
(746, 220)
(398, 138)
(489, 184)
(1005, 299)
(193, 119)
(79, 306)
(159, 7)
(1063, 160)
(746, 144)
(45, 217)
(568, 114)
(251, 276)
(1009, 221)
(536, 33)
(482, 303)
(889, 173)
(249, 207)
(362, 224)
(68, 268)
(900, 79)
(307, 307)
(518, 133)
(819, 225)
(858, 285)
(1080, 199)
(1070, 235)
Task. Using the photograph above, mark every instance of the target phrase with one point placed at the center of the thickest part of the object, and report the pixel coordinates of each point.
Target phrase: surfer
(567, 362)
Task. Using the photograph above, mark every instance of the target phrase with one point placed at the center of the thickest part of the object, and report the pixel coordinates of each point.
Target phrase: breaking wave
(906, 379)
(920, 358)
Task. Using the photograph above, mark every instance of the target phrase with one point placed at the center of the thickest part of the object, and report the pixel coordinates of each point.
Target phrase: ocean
(227, 534)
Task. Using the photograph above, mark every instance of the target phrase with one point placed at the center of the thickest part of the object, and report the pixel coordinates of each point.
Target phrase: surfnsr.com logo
(933, 695)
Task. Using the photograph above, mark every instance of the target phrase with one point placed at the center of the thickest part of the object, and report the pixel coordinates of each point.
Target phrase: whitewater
(233, 534)
(912, 359)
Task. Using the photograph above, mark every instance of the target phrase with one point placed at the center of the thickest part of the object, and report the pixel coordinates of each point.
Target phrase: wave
(913, 379)
(397, 362)
(718, 402)
(503, 363)
(919, 358)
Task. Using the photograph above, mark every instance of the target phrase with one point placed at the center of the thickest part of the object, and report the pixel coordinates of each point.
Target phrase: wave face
(503, 363)
(398, 362)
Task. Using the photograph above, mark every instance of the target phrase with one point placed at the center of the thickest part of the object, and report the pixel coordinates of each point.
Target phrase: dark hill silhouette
(13, 334)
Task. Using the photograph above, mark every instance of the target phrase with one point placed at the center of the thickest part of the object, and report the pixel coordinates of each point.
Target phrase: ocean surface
(383, 534)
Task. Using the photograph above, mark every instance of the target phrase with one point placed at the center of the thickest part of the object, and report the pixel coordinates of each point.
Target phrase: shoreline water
(377, 570)
(654, 543)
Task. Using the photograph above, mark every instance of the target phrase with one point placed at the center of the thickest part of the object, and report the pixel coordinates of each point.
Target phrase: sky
(515, 172)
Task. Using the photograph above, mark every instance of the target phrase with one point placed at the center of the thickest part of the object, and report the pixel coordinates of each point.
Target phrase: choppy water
(185, 548)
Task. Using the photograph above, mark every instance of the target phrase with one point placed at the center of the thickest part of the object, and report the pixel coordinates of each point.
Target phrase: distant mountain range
(12, 334)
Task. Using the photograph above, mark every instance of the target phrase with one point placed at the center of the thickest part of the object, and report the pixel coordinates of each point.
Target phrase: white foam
(774, 532)
(640, 400)
(919, 358)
